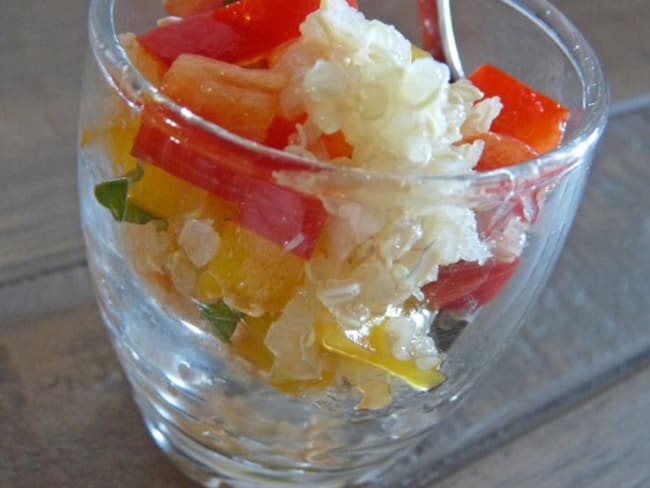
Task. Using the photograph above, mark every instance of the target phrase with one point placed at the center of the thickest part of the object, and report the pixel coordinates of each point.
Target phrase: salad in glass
(296, 187)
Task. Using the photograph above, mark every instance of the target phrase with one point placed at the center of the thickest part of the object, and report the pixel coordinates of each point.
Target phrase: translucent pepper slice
(375, 351)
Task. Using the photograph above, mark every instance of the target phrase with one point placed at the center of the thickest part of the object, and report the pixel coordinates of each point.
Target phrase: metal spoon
(448, 39)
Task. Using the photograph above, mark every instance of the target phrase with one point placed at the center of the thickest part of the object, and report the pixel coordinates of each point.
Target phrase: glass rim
(133, 88)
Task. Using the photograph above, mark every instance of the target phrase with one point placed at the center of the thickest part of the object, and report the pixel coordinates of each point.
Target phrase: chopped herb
(114, 195)
(222, 317)
(228, 2)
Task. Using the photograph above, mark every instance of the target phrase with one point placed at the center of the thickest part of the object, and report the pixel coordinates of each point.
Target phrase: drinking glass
(211, 410)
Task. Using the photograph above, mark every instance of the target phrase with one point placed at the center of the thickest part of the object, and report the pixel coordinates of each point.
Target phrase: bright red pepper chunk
(288, 218)
(456, 281)
(468, 285)
(240, 32)
(527, 115)
(498, 275)
(280, 131)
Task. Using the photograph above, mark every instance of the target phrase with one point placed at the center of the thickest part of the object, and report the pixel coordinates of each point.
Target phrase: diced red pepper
(290, 219)
(336, 145)
(429, 28)
(242, 100)
(240, 32)
(280, 131)
(456, 281)
(527, 115)
(286, 217)
(468, 285)
(501, 150)
(497, 276)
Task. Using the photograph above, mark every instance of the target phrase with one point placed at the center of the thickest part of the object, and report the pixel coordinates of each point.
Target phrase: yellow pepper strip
(377, 353)
(417, 53)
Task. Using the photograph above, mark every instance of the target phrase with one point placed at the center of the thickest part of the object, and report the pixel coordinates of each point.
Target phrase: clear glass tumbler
(210, 406)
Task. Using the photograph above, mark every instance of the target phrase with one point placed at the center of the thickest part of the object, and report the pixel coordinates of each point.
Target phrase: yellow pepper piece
(417, 53)
(248, 341)
(167, 196)
(119, 139)
(255, 274)
(158, 192)
(298, 388)
(209, 287)
(377, 353)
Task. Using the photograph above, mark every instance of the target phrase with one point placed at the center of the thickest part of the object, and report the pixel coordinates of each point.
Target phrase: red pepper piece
(286, 217)
(242, 100)
(280, 130)
(290, 219)
(240, 32)
(497, 276)
(468, 285)
(500, 151)
(527, 115)
(456, 281)
(336, 145)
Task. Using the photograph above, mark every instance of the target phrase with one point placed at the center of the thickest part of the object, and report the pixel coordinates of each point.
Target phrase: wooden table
(567, 406)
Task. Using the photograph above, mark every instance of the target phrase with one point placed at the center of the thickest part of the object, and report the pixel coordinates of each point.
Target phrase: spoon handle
(448, 39)
(437, 32)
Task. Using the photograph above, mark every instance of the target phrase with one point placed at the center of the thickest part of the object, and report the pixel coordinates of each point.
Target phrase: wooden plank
(618, 32)
(66, 415)
(49, 292)
(602, 444)
(41, 57)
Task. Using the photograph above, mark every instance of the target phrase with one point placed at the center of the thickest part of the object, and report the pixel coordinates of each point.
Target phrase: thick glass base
(214, 469)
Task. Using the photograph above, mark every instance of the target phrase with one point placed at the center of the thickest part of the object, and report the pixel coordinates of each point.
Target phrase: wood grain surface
(41, 54)
(66, 417)
(66, 414)
(600, 444)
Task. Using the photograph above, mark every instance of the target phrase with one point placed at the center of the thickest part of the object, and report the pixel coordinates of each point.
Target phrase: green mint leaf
(222, 317)
(135, 214)
(114, 195)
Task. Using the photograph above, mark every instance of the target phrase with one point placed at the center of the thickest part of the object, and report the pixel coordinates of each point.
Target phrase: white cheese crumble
(199, 241)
